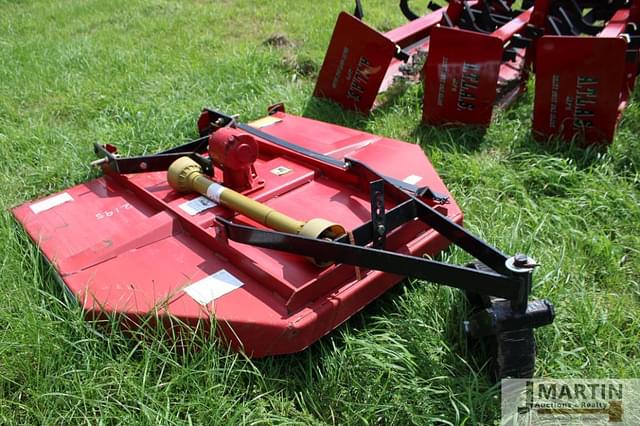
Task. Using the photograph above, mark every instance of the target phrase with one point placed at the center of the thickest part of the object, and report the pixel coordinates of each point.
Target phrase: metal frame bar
(514, 285)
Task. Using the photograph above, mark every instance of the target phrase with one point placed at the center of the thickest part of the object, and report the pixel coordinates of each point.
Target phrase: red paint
(465, 74)
(355, 64)
(360, 62)
(124, 245)
(461, 82)
(583, 84)
(578, 85)
(234, 152)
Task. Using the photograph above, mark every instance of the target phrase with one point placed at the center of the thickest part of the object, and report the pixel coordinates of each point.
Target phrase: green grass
(135, 74)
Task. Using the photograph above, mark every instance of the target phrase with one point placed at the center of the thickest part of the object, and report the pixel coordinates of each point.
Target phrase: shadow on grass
(465, 139)
(457, 362)
(327, 111)
(449, 139)
(583, 156)
(452, 139)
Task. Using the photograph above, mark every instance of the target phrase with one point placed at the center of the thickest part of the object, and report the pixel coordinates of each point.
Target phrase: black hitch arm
(377, 259)
(506, 279)
(506, 285)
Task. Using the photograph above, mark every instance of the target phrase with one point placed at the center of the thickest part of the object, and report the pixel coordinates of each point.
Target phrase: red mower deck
(129, 244)
(280, 196)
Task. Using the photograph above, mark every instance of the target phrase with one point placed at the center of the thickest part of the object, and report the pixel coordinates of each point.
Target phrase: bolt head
(521, 259)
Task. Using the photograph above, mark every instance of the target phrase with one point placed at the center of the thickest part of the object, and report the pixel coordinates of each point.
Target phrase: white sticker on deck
(50, 202)
(281, 170)
(412, 179)
(213, 286)
(197, 205)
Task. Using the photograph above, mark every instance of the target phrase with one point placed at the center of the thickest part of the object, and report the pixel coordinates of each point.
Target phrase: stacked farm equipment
(479, 54)
(362, 63)
(481, 61)
(586, 74)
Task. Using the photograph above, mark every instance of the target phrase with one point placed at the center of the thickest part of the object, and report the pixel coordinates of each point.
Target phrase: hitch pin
(521, 261)
(101, 161)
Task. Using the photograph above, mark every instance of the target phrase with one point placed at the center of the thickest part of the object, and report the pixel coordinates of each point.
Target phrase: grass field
(136, 73)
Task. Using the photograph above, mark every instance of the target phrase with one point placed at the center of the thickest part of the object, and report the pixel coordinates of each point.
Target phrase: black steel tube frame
(568, 17)
(503, 282)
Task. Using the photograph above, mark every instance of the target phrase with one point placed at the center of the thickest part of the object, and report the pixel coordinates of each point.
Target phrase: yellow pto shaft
(185, 175)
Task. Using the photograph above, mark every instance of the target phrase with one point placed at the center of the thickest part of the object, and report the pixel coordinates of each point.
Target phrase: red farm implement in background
(482, 61)
(279, 231)
(584, 77)
(361, 62)
(479, 54)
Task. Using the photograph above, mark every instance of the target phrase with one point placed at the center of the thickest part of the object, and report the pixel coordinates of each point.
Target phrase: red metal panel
(355, 64)
(461, 82)
(355, 46)
(465, 74)
(579, 81)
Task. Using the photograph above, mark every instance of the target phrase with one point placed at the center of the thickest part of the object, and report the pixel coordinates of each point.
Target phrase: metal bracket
(278, 107)
(358, 12)
(378, 217)
(161, 161)
(401, 54)
(210, 120)
(500, 318)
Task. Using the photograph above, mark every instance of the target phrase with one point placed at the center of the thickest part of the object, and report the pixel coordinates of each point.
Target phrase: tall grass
(135, 74)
